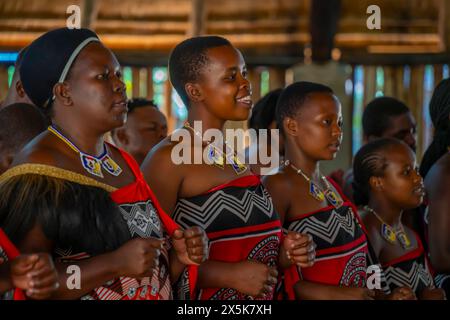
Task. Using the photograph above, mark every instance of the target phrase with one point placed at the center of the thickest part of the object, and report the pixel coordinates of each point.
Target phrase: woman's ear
(194, 92)
(19, 89)
(62, 93)
(290, 126)
(376, 183)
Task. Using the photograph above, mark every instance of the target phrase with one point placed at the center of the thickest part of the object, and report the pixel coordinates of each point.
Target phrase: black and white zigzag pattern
(3, 254)
(417, 274)
(142, 219)
(441, 279)
(188, 213)
(329, 229)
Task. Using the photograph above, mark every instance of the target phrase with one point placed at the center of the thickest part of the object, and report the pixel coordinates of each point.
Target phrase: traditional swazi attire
(411, 269)
(241, 223)
(341, 252)
(84, 218)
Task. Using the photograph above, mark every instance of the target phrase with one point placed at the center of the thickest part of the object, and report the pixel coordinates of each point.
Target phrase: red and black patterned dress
(409, 270)
(341, 252)
(145, 218)
(241, 224)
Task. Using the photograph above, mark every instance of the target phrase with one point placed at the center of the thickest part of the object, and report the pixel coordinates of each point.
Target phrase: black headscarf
(48, 59)
(439, 113)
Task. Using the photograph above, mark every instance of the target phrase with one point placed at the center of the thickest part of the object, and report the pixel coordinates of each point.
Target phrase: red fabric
(328, 272)
(246, 181)
(347, 200)
(139, 190)
(11, 252)
(412, 255)
(247, 230)
(237, 249)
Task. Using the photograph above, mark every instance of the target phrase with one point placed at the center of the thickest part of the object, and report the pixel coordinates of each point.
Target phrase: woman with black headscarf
(81, 199)
(435, 168)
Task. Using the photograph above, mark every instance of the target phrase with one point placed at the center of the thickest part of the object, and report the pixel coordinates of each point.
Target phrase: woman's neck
(208, 121)
(390, 213)
(295, 156)
(87, 142)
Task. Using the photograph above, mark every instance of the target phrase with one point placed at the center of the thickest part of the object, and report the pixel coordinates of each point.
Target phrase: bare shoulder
(277, 182)
(438, 178)
(278, 186)
(160, 157)
(39, 150)
(373, 231)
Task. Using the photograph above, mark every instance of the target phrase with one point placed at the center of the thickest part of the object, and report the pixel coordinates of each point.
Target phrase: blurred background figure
(263, 117)
(16, 93)
(146, 126)
(19, 124)
(385, 117)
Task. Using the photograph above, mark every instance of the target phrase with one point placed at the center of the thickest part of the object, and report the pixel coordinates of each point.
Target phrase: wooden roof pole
(89, 13)
(197, 19)
(444, 25)
(323, 27)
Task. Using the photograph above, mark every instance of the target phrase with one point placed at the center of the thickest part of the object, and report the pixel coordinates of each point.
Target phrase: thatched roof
(272, 31)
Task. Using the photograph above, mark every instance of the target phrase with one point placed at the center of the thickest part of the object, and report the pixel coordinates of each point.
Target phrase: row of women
(163, 230)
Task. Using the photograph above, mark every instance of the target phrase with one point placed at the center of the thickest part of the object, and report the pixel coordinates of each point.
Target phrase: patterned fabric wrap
(241, 223)
(145, 218)
(410, 270)
(341, 252)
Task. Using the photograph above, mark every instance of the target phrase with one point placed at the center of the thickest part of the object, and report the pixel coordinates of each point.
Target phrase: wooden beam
(419, 22)
(444, 25)
(398, 49)
(277, 78)
(144, 9)
(154, 27)
(389, 81)
(369, 84)
(400, 90)
(254, 76)
(197, 19)
(438, 70)
(168, 41)
(27, 25)
(240, 8)
(143, 80)
(89, 12)
(136, 81)
(230, 25)
(415, 103)
(3, 82)
(363, 39)
(150, 90)
(167, 109)
(323, 26)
